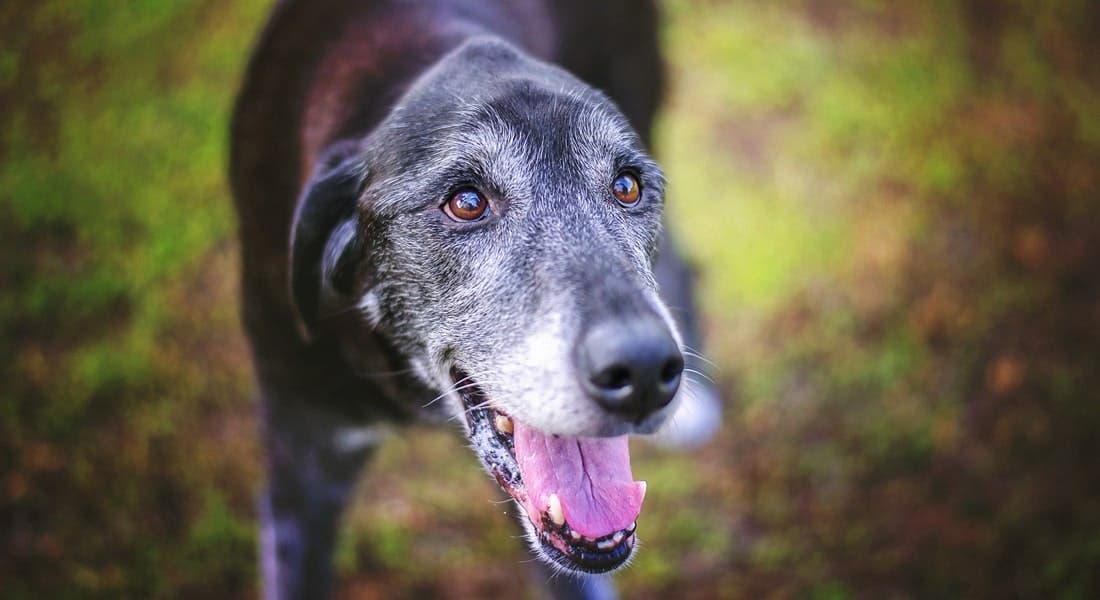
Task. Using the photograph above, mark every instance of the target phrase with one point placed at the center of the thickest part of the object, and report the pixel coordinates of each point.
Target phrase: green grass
(744, 205)
(893, 211)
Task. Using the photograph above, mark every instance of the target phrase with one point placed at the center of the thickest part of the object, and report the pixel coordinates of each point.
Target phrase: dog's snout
(630, 366)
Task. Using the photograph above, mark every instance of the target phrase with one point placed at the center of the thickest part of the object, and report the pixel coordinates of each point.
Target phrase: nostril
(672, 369)
(615, 377)
(632, 367)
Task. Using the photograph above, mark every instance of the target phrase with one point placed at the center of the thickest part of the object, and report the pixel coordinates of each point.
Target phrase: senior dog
(446, 210)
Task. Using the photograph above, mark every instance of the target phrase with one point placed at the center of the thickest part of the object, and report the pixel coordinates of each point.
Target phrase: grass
(893, 211)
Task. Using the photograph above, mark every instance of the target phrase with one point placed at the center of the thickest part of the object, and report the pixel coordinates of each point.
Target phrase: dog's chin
(552, 537)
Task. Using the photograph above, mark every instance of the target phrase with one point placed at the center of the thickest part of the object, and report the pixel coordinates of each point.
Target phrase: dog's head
(499, 228)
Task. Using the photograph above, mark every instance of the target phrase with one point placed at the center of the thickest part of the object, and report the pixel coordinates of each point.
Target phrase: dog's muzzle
(578, 493)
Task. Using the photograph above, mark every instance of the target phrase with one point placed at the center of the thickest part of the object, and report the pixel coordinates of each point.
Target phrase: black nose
(630, 365)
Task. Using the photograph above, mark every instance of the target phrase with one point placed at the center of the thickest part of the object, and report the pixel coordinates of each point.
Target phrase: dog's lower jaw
(551, 537)
(560, 562)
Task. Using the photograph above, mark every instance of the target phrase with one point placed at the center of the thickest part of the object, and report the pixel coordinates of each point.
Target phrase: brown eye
(626, 189)
(466, 205)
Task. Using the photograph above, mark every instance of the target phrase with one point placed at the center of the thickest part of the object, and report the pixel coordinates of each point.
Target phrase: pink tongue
(591, 477)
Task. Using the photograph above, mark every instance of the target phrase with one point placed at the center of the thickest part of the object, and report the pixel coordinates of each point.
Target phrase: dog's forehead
(560, 125)
(489, 99)
(527, 130)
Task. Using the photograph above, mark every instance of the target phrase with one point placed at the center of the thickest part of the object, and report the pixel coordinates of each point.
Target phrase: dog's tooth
(606, 544)
(632, 527)
(556, 513)
(503, 423)
(573, 533)
(618, 537)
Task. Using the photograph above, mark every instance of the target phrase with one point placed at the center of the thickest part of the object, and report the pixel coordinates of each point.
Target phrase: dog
(446, 211)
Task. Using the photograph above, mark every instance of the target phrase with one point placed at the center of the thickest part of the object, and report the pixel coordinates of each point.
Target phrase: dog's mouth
(582, 502)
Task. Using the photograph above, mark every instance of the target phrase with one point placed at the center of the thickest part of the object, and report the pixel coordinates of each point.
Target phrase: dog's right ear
(325, 244)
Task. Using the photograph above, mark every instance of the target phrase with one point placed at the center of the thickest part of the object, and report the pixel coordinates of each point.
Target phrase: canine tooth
(556, 514)
(575, 535)
(503, 423)
(618, 537)
(606, 544)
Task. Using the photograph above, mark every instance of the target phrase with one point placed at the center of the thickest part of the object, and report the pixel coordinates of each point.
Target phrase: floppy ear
(325, 244)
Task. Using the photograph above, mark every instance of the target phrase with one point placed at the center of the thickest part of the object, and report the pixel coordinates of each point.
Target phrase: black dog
(436, 222)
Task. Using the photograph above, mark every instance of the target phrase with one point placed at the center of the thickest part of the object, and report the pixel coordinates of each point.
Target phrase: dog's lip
(592, 556)
(490, 430)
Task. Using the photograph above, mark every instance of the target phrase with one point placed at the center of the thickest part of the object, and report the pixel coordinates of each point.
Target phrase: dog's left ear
(325, 245)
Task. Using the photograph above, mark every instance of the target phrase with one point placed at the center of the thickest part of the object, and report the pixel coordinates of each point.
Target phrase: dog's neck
(379, 52)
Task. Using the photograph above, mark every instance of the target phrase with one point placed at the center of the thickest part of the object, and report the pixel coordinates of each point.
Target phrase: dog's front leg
(314, 458)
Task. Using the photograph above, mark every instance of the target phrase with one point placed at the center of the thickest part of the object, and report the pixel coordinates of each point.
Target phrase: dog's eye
(466, 205)
(626, 189)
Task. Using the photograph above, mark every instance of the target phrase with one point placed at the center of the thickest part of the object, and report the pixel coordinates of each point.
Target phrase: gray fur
(505, 299)
(355, 123)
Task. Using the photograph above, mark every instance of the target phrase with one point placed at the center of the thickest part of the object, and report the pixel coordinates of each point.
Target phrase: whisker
(700, 374)
(694, 354)
(454, 389)
(478, 406)
(457, 386)
(468, 410)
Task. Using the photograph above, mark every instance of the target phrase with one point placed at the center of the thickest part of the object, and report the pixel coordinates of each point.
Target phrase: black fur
(323, 245)
(355, 123)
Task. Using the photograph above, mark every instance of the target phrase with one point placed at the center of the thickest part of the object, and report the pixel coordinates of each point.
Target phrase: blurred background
(894, 208)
